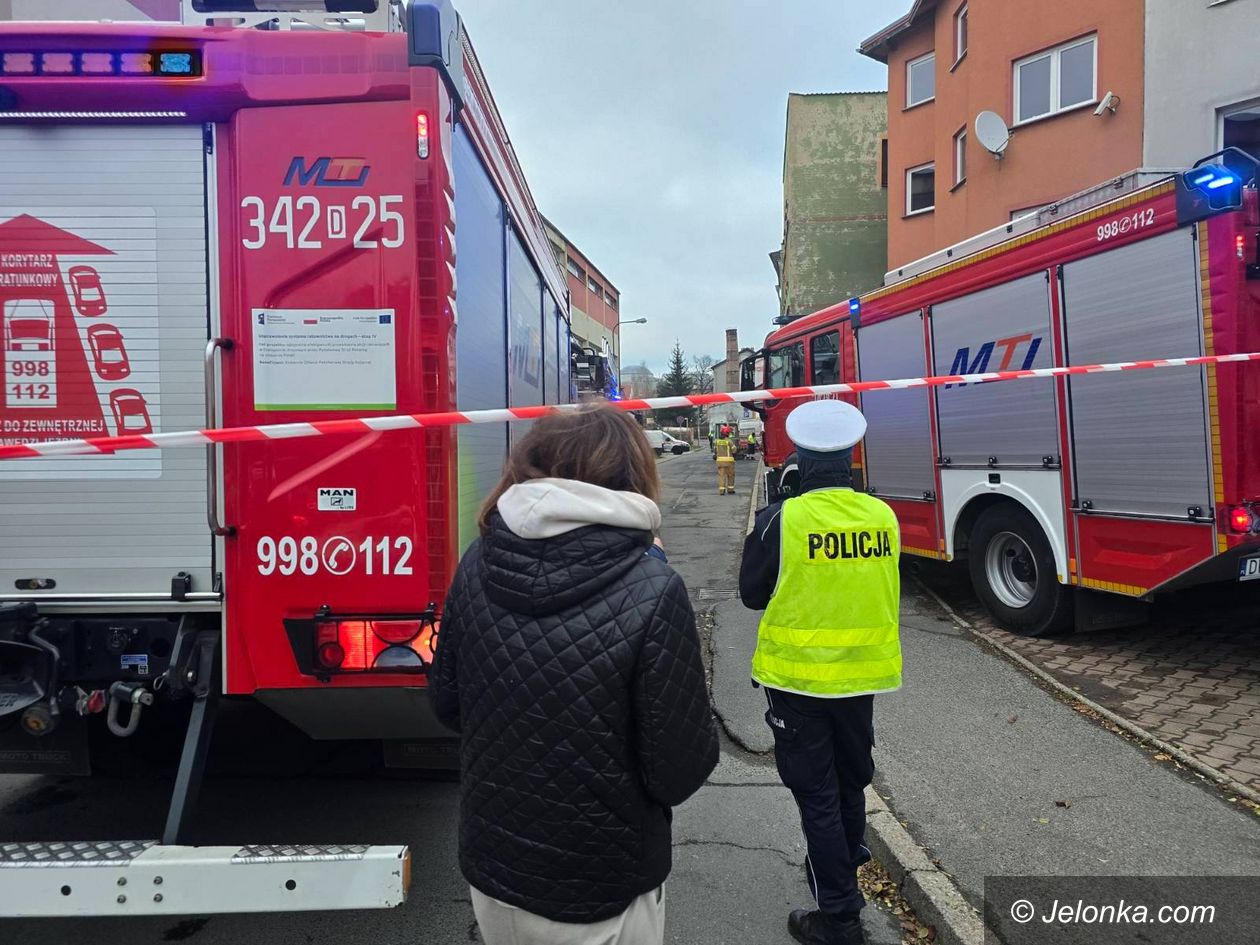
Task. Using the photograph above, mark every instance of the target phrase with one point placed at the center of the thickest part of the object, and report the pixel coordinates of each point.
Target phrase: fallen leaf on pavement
(1162, 756)
(1062, 803)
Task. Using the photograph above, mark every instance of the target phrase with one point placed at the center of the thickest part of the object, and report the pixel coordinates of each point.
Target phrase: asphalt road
(738, 852)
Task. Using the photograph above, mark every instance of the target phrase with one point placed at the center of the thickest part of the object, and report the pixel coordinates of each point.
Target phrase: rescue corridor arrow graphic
(48, 390)
(277, 431)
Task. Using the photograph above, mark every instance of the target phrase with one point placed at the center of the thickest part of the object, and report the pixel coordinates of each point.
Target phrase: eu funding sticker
(324, 359)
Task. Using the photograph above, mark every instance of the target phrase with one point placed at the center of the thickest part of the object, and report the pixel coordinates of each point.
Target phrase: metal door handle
(212, 422)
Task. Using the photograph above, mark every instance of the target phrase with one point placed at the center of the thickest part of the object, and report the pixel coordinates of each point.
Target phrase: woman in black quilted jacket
(568, 660)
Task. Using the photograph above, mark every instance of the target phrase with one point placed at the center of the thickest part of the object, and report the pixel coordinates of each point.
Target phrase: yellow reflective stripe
(812, 672)
(807, 668)
(838, 655)
(870, 636)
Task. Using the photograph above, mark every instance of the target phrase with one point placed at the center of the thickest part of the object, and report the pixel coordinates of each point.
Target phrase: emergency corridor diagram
(79, 335)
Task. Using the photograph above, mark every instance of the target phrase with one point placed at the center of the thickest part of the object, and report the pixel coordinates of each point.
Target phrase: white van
(663, 443)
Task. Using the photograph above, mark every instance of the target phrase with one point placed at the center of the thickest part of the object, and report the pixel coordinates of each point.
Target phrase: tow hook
(135, 696)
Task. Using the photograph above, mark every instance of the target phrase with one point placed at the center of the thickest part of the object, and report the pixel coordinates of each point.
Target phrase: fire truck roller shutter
(564, 354)
(1006, 327)
(525, 333)
(481, 345)
(898, 443)
(1140, 438)
(125, 206)
(551, 351)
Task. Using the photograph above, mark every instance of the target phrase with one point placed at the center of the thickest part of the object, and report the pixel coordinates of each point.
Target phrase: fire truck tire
(1014, 574)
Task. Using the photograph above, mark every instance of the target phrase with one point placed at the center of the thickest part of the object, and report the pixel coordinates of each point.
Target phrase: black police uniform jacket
(571, 667)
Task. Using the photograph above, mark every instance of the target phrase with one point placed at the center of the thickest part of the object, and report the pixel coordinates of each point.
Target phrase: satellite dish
(992, 133)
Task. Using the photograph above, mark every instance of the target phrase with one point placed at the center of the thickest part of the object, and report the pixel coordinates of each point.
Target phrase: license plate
(1249, 569)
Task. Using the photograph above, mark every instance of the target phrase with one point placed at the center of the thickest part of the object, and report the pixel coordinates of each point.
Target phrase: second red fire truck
(1055, 489)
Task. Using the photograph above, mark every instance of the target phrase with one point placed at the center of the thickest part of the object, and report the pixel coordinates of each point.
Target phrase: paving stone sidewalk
(1190, 677)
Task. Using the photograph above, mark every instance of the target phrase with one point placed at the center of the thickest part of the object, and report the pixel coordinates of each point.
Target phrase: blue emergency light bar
(151, 64)
(1210, 177)
(855, 306)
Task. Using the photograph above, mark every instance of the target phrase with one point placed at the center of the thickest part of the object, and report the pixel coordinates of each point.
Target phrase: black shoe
(819, 928)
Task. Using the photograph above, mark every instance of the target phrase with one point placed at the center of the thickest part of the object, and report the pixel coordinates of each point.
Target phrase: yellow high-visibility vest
(831, 628)
(724, 450)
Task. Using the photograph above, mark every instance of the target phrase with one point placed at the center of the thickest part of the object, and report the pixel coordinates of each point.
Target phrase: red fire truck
(279, 202)
(1053, 489)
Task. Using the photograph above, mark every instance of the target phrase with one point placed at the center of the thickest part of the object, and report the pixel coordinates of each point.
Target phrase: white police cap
(826, 426)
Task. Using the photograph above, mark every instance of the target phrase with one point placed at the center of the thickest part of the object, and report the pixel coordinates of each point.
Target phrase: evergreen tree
(676, 381)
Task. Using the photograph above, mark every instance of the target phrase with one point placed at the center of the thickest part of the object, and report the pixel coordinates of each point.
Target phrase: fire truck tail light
(396, 631)
(362, 645)
(1241, 521)
(331, 655)
(422, 135)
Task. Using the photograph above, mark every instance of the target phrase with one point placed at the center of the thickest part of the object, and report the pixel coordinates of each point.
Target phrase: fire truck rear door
(104, 225)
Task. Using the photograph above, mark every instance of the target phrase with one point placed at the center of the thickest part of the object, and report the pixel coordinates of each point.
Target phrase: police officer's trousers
(823, 750)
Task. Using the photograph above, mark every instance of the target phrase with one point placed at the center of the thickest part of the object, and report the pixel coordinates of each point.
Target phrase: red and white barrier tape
(279, 431)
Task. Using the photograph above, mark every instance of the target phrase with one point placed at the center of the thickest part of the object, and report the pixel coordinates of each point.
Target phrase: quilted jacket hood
(545, 508)
(539, 576)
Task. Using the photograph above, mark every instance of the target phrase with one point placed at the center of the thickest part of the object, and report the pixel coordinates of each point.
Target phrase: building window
(883, 162)
(824, 359)
(576, 270)
(1056, 80)
(960, 156)
(1240, 128)
(920, 189)
(960, 33)
(610, 299)
(921, 80)
(594, 287)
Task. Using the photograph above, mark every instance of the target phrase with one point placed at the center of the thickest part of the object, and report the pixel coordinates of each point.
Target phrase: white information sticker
(324, 359)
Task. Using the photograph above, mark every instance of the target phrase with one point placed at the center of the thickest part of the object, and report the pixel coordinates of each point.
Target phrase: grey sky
(652, 134)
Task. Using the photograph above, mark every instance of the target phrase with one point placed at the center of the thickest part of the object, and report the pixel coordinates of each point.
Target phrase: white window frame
(910, 64)
(960, 44)
(960, 156)
(1055, 54)
(910, 172)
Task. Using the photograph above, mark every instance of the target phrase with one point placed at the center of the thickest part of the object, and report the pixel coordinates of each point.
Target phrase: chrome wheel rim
(1011, 569)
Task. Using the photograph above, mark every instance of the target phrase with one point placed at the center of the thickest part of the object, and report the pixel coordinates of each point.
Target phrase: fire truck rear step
(130, 878)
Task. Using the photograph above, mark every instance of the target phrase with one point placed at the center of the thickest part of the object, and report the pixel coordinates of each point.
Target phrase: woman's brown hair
(598, 444)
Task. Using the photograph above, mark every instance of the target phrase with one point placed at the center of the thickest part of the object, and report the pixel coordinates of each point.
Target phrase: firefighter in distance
(823, 566)
(724, 453)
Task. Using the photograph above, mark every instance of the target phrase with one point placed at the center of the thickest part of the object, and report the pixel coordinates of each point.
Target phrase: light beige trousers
(643, 923)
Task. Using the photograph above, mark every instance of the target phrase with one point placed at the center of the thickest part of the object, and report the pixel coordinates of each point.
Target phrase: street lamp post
(617, 341)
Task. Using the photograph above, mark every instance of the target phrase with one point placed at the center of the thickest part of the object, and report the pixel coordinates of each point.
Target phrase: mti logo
(328, 172)
(964, 364)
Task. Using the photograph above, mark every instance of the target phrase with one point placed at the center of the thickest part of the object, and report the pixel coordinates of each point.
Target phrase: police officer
(823, 566)
(724, 453)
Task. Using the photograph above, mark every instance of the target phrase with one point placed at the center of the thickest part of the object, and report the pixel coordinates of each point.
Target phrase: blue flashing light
(1224, 181)
(855, 306)
(175, 63)
(1203, 178)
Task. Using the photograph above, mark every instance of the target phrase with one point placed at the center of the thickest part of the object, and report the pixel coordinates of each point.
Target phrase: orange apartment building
(1044, 68)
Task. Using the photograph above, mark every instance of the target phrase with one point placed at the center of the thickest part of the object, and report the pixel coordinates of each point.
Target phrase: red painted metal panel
(1137, 556)
(383, 557)
(920, 531)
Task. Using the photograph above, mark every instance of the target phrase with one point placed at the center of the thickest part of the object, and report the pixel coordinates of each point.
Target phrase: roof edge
(878, 46)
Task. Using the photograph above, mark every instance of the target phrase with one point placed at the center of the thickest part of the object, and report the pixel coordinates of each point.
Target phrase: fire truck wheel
(1013, 572)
